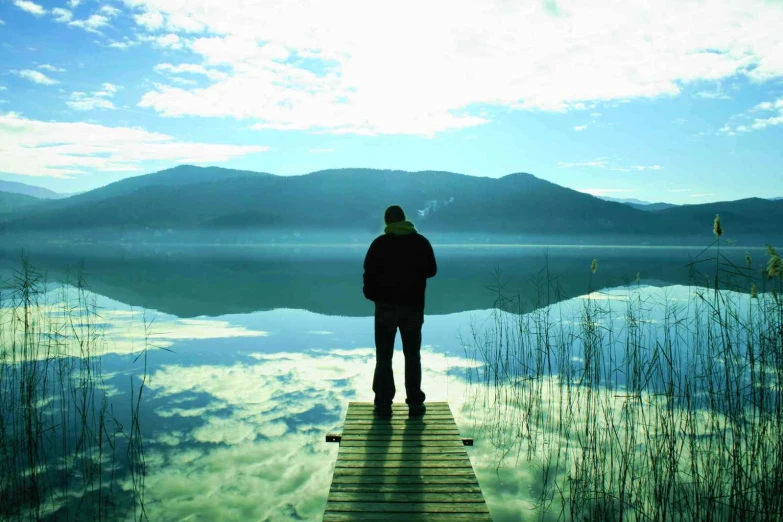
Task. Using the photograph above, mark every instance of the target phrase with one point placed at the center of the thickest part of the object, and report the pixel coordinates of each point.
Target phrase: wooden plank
(397, 457)
(370, 428)
(406, 488)
(404, 409)
(402, 443)
(395, 471)
(411, 507)
(412, 496)
(419, 464)
(398, 436)
(362, 404)
(403, 468)
(404, 479)
(402, 421)
(407, 517)
(393, 450)
(445, 417)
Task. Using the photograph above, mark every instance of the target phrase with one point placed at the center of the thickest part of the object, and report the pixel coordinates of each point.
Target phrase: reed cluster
(65, 452)
(641, 405)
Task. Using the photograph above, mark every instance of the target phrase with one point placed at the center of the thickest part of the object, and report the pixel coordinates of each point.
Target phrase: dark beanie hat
(394, 214)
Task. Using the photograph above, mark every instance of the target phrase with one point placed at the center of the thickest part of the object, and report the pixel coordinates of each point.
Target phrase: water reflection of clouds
(131, 332)
(244, 440)
(260, 449)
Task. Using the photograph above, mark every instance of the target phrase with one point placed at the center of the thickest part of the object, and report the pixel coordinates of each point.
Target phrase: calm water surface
(254, 358)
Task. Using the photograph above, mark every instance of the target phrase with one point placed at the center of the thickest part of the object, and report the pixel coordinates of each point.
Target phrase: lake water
(255, 354)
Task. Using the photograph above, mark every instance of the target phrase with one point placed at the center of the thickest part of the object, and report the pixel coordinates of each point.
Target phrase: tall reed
(60, 441)
(645, 407)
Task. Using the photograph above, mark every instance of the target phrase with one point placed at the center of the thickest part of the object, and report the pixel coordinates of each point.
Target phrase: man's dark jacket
(396, 269)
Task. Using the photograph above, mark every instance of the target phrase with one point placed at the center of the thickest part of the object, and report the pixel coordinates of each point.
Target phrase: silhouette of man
(396, 269)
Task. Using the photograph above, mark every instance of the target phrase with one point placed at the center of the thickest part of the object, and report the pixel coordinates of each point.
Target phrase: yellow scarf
(400, 228)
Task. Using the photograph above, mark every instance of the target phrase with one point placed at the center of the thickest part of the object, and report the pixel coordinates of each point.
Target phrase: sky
(678, 101)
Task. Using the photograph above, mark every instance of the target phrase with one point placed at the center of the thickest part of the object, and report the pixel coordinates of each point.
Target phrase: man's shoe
(382, 411)
(417, 410)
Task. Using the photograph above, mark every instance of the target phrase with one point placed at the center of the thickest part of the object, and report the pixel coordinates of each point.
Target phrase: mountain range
(638, 203)
(210, 198)
(29, 190)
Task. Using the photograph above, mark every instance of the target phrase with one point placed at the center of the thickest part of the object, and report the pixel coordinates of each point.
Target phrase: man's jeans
(408, 318)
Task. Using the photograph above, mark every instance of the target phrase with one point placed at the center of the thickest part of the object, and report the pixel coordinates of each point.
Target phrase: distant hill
(755, 216)
(29, 190)
(195, 198)
(638, 203)
(11, 203)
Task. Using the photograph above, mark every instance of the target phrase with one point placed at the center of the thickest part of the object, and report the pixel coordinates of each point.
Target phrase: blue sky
(678, 101)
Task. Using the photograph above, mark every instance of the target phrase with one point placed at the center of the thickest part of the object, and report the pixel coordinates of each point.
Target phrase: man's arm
(430, 266)
(370, 271)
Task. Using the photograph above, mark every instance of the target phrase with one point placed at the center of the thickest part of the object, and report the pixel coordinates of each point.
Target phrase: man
(396, 269)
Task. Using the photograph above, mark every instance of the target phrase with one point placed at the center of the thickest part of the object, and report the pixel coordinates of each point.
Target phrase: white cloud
(716, 94)
(92, 23)
(600, 163)
(110, 11)
(646, 167)
(49, 148)
(182, 81)
(50, 68)
(2, 22)
(713, 95)
(62, 16)
(3, 88)
(189, 68)
(123, 45)
(171, 41)
(150, 20)
(30, 7)
(320, 151)
(604, 164)
(73, 4)
(580, 128)
(456, 55)
(81, 101)
(35, 77)
(753, 123)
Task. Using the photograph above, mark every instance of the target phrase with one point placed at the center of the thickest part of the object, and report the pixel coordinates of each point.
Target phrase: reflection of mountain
(328, 281)
(192, 198)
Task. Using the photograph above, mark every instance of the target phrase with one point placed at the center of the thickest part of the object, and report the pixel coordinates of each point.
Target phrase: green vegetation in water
(626, 417)
(64, 454)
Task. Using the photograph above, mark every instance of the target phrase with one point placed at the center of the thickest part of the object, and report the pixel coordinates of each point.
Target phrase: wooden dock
(403, 468)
